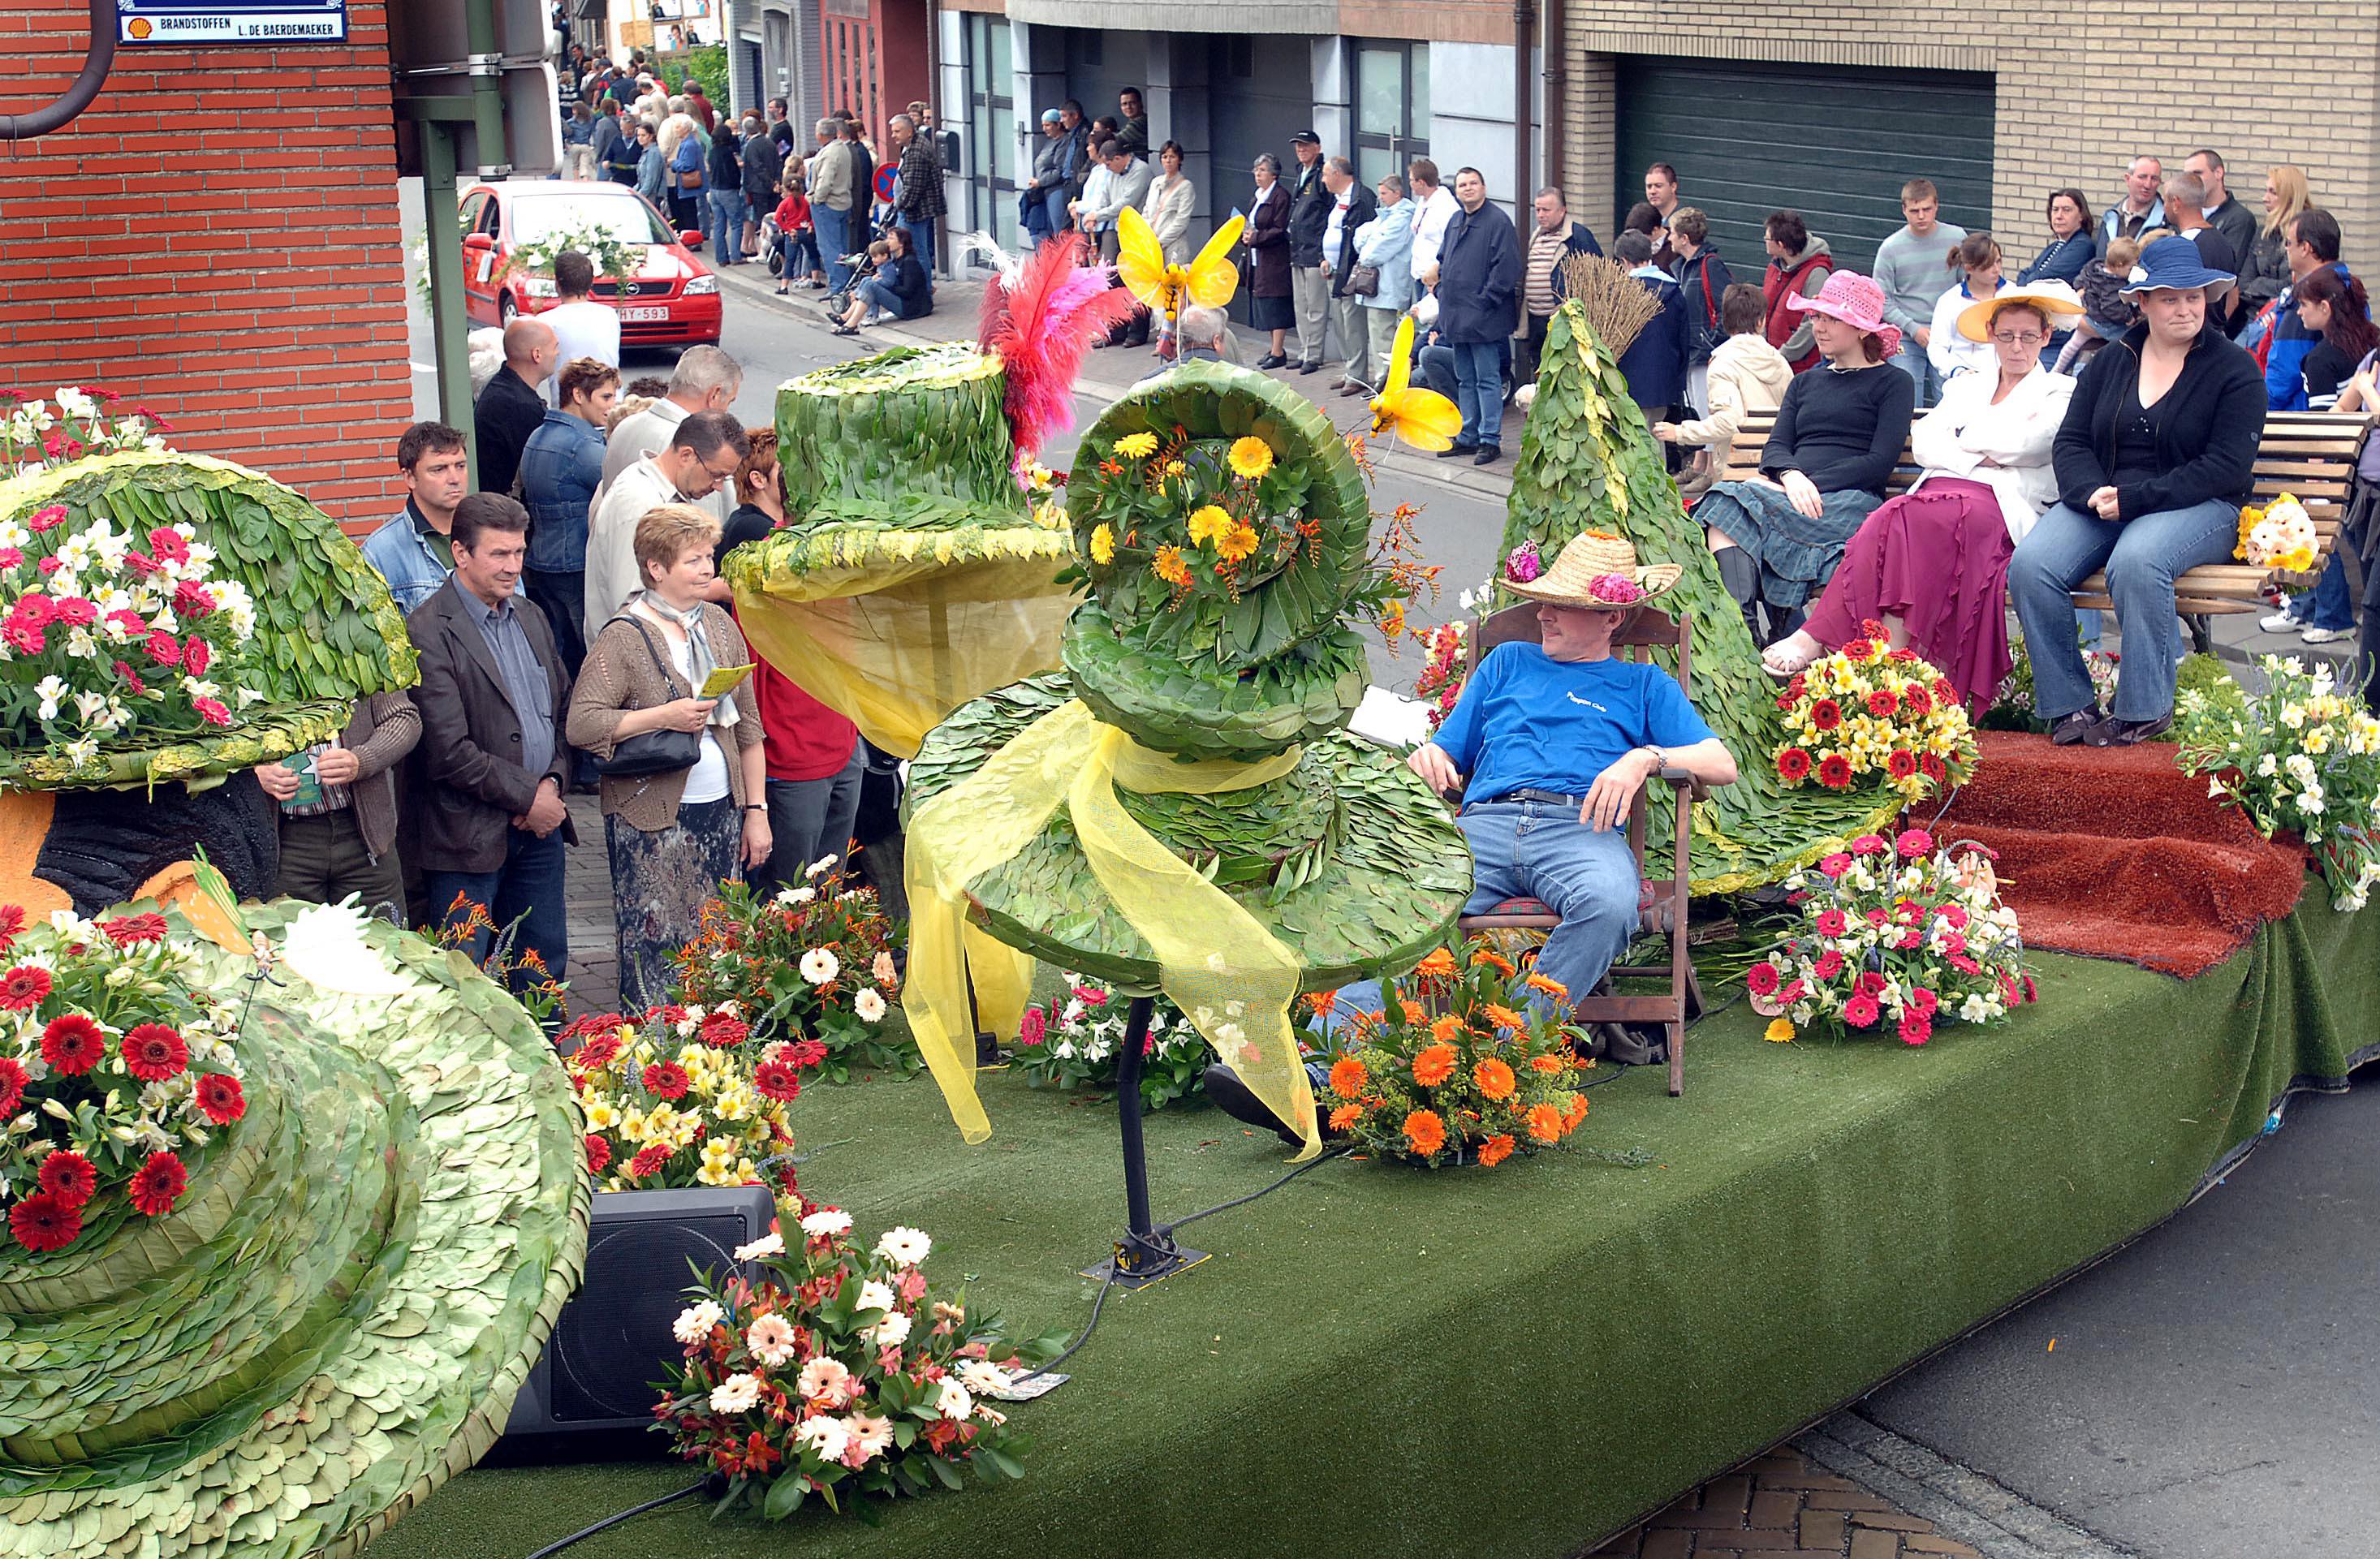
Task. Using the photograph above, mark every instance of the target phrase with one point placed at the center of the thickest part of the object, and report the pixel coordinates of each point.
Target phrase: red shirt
(793, 213)
(802, 738)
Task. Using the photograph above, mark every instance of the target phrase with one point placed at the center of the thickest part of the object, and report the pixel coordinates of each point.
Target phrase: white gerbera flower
(695, 1321)
(953, 1403)
(737, 1393)
(891, 1332)
(868, 1004)
(982, 1377)
(903, 1246)
(870, 1432)
(826, 1223)
(825, 1435)
(770, 1338)
(820, 866)
(766, 1246)
(818, 966)
(824, 1380)
(875, 1296)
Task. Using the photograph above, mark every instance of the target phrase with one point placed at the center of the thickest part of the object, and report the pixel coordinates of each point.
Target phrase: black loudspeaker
(613, 1340)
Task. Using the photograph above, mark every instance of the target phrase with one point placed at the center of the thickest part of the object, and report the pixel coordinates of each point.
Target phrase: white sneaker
(2324, 636)
(2280, 622)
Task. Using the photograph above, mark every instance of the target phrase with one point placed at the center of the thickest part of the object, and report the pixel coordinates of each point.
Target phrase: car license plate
(644, 315)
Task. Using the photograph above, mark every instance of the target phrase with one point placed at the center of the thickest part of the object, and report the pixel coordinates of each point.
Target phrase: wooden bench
(2310, 455)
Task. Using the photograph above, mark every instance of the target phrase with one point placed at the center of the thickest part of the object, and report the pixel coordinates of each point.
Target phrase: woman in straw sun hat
(1932, 565)
(1552, 742)
(1838, 436)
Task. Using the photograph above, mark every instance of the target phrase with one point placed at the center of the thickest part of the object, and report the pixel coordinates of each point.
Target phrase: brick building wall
(217, 237)
(2079, 89)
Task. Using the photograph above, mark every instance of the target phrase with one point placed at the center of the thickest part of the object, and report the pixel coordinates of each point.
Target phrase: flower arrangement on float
(1895, 937)
(685, 1097)
(839, 1374)
(76, 421)
(1865, 712)
(1076, 1041)
(118, 1076)
(2278, 534)
(811, 961)
(2300, 754)
(1448, 1072)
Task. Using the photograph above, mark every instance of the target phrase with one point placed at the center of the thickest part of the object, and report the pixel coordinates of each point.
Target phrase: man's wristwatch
(1660, 758)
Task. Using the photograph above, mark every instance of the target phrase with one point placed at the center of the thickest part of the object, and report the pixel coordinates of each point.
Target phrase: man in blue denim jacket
(412, 550)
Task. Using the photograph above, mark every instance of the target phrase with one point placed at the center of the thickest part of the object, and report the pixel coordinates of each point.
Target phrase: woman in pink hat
(1839, 433)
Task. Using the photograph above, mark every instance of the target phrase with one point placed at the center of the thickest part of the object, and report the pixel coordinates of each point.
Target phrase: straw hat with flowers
(1597, 571)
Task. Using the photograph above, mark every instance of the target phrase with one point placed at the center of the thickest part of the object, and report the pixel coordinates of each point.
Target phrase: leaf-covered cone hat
(337, 1313)
(1226, 535)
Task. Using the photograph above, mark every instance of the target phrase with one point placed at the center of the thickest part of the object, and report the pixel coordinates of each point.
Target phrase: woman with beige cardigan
(672, 837)
(1746, 374)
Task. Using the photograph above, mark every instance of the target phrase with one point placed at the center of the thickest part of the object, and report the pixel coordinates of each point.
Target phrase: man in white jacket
(1434, 207)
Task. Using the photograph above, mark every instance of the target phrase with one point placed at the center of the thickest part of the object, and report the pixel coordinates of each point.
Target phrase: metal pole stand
(1144, 1254)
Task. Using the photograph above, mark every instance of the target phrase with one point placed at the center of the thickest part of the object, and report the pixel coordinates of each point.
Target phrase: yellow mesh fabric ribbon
(1215, 961)
(895, 645)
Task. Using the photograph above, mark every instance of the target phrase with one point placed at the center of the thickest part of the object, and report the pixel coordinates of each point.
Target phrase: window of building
(991, 155)
(1392, 107)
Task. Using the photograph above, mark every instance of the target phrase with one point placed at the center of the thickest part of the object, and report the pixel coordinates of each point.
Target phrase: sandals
(1789, 664)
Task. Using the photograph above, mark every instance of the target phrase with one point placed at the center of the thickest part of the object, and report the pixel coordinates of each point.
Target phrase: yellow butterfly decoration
(1209, 281)
(1423, 418)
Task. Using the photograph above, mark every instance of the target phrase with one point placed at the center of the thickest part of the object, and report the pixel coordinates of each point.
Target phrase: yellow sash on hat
(1215, 961)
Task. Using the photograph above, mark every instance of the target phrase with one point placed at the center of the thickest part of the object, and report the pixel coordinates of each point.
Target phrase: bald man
(510, 408)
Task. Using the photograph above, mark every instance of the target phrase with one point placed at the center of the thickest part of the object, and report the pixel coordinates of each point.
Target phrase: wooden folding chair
(1661, 904)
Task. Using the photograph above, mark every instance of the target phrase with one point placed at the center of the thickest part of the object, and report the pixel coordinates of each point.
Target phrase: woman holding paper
(674, 835)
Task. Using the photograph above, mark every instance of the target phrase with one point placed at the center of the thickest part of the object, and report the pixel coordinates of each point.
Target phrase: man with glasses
(702, 459)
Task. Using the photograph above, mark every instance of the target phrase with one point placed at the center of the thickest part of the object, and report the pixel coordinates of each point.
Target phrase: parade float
(292, 1198)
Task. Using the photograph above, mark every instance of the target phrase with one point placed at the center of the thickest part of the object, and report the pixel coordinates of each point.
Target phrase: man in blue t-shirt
(1551, 744)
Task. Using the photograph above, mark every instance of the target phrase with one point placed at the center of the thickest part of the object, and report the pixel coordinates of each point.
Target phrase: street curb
(1404, 464)
(1962, 1503)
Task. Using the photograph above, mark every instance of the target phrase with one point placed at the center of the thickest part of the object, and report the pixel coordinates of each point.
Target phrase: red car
(673, 299)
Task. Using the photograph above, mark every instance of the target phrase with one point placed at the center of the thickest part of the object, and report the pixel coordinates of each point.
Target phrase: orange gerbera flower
(1493, 960)
(1496, 1150)
(1348, 1077)
(1494, 1078)
(1413, 1010)
(1547, 1063)
(1576, 1113)
(1447, 1030)
(1426, 1131)
(1321, 1003)
(1551, 987)
(1434, 1065)
(1438, 965)
(1345, 1116)
(1504, 1016)
(1545, 1123)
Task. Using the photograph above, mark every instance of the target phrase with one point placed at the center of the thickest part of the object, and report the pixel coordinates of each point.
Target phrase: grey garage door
(1835, 143)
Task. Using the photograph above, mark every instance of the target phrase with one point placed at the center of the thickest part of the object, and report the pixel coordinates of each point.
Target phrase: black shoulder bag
(651, 752)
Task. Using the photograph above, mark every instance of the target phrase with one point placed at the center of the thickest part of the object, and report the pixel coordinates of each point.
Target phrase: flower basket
(1868, 714)
(685, 1097)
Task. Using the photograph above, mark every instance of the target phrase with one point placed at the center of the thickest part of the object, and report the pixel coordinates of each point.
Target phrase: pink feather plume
(1041, 325)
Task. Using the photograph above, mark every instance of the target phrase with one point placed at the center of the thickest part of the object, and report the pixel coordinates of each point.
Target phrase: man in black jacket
(2144, 495)
(492, 768)
(1478, 280)
(1310, 283)
(511, 407)
(1352, 205)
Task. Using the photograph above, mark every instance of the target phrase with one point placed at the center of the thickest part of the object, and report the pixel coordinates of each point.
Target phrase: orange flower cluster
(1448, 1072)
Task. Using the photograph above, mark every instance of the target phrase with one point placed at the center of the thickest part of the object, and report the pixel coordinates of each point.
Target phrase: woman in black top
(2340, 317)
(899, 287)
(2153, 463)
(1839, 433)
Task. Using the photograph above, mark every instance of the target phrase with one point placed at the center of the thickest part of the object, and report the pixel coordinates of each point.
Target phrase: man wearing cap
(1042, 204)
(1309, 282)
(1550, 743)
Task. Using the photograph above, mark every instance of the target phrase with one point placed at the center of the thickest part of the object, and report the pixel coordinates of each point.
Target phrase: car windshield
(625, 217)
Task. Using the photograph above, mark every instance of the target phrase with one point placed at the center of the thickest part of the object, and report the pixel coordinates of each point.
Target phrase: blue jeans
(1911, 360)
(722, 211)
(528, 889)
(833, 241)
(877, 297)
(1539, 849)
(1479, 390)
(921, 243)
(1053, 208)
(2325, 606)
(2142, 556)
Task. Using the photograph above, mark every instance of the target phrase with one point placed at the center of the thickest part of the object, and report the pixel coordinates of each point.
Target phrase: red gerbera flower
(12, 921)
(73, 1043)
(1932, 766)
(164, 648)
(23, 988)
(195, 655)
(191, 600)
(220, 1099)
(43, 1223)
(158, 1184)
(803, 1053)
(1794, 764)
(69, 1177)
(599, 1153)
(1826, 714)
(1881, 702)
(648, 1160)
(155, 1053)
(775, 1080)
(12, 1084)
(722, 1030)
(132, 931)
(1916, 700)
(1902, 764)
(1835, 771)
(666, 1079)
